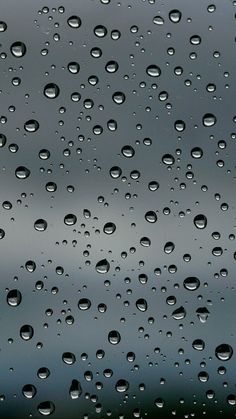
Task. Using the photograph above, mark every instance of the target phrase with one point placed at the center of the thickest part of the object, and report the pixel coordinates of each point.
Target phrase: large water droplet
(46, 408)
(26, 332)
(14, 298)
(200, 221)
(18, 49)
(224, 352)
(103, 266)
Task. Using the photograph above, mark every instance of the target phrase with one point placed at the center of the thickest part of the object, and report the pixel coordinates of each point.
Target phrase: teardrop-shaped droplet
(75, 389)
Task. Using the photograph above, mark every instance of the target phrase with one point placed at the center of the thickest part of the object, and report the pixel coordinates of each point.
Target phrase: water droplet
(26, 332)
(84, 304)
(31, 125)
(109, 228)
(22, 172)
(46, 408)
(200, 221)
(224, 352)
(103, 266)
(141, 304)
(75, 389)
(122, 386)
(114, 337)
(70, 219)
(198, 344)
(51, 91)
(40, 225)
(209, 120)
(18, 49)
(29, 391)
(191, 283)
(14, 298)
(175, 16)
(151, 217)
(153, 70)
(74, 22)
(68, 358)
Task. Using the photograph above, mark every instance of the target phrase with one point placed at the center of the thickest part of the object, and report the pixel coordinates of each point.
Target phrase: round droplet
(51, 91)
(40, 225)
(128, 151)
(122, 386)
(118, 98)
(141, 304)
(26, 332)
(109, 228)
(196, 153)
(159, 402)
(29, 391)
(200, 221)
(73, 67)
(153, 70)
(114, 337)
(145, 242)
(31, 125)
(14, 298)
(168, 159)
(100, 31)
(209, 120)
(231, 400)
(3, 26)
(46, 408)
(18, 49)
(70, 219)
(43, 373)
(153, 186)
(151, 217)
(175, 16)
(198, 344)
(224, 352)
(179, 125)
(112, 66)
(74, 22)
(22, 172)
(103, 266)
(115, 172)
(68, 358)
(191, 283)
(84, 304)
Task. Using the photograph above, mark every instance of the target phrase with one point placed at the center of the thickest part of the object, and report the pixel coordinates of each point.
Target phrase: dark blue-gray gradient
(117, 209)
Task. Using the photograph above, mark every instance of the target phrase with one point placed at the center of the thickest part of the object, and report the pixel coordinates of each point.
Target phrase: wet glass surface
(117, 219)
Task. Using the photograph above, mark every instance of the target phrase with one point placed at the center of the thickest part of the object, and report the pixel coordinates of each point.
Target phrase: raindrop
(22, 172)
(14, 298)
(153, 70)
(200, 221)
(46, 408)
(18, 49)
(103, 266)
(51, 91)
(74, 22)
(26, 332)
(224, 352)
(40, 225)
